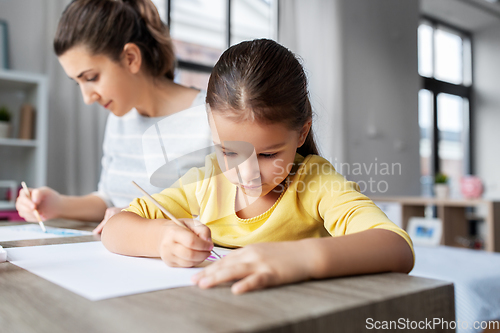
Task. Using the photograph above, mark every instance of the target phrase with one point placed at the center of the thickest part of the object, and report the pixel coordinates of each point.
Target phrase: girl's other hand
(180, 247)
(258, 266)
(109, 213)
(44, 199)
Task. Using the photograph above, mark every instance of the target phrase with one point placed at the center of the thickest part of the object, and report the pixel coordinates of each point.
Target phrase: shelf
(24, 160)
(453, 215)
(18, 142)
(7, 205)
(10, 79)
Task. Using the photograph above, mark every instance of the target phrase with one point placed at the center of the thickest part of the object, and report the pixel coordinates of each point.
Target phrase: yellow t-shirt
(317, 202)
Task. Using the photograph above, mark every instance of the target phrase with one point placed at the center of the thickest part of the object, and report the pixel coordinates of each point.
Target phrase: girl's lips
(251, 187)
(106, 106)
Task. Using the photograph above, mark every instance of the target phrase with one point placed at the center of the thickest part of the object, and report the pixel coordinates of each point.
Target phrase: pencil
(27, 192)
(166, 212)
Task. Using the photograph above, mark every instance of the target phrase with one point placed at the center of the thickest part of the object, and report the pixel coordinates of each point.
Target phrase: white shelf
(7, 205)
(18, 142)
(24, 160)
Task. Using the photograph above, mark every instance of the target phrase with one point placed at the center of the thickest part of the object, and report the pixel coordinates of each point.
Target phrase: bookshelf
(453, 214)
(24, 159)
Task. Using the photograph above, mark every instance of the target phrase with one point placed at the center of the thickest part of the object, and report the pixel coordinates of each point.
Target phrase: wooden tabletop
(29, 303)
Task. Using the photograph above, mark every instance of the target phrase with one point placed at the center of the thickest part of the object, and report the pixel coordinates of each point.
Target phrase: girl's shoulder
(312, 165)
(316, 176)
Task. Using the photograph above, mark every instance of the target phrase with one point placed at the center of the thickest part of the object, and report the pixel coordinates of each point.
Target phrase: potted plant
(4, 122)
(441, 188)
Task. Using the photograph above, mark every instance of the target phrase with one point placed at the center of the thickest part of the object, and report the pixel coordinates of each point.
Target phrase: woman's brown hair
(105, 26)
(262, 80)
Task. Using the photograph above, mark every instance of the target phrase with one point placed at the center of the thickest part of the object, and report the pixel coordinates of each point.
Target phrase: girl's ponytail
(105, 26)
(309, 147)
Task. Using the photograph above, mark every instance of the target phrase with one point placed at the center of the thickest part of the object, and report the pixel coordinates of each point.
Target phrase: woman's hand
(44, 199)
(111, 211)
(260, 265)
(180, 247)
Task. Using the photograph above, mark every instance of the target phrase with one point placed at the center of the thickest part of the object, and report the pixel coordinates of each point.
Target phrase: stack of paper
(89, 270)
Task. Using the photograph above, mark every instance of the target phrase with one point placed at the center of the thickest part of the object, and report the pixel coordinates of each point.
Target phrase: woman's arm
(268, 264)
(50, 204)
(130, 234)
(84, 208)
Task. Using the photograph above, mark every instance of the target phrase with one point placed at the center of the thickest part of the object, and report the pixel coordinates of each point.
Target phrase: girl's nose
(249, 171)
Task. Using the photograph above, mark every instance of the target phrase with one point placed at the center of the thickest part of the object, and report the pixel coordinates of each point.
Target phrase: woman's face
(101, 79)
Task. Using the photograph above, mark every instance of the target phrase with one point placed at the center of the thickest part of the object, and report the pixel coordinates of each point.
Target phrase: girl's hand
(109, 213)
(185, 248)
(44, 199)
(258, 266)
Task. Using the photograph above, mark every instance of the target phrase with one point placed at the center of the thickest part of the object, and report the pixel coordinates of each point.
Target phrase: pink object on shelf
(472, 187)
(10, 215)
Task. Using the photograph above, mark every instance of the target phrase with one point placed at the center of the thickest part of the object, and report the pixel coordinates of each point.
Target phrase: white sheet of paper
(91, 271)
(33, 231)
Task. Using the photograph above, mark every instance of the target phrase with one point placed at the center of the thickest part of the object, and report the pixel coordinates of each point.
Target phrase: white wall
(486, 48)
(26, 24)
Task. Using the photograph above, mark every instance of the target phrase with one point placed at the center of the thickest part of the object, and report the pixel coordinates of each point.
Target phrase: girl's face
(101, 79)
(255, 157)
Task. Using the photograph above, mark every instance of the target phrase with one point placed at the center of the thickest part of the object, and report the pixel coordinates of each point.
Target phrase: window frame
(197, 67)
(436, 87)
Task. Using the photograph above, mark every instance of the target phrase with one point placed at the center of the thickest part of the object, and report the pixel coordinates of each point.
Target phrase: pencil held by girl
(266, 191)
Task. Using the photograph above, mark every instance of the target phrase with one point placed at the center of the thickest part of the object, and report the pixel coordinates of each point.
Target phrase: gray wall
(381, 84)
(486, 48)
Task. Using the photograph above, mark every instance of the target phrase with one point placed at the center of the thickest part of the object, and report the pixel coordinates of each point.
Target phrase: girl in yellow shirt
(265, 191)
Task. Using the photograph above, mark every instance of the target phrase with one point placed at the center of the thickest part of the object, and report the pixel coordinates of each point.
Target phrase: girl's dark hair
(262, 80)
(105, 26)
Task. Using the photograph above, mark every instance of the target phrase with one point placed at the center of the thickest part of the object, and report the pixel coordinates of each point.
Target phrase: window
(202, 29)
(444, 63)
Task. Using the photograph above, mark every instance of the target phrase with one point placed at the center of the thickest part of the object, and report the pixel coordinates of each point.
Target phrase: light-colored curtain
(75, 130)
(312, 30)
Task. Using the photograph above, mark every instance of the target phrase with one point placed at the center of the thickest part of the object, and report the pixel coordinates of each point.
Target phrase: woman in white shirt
(121, 55)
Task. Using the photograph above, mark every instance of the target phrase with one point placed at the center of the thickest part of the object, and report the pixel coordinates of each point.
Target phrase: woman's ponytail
(162, 50)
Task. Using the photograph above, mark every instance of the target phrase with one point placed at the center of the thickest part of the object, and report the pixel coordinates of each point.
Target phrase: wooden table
(29, 303)
(452, 213)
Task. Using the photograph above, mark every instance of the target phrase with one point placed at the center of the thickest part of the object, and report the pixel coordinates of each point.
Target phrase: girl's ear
(132, 58)
(304, 132)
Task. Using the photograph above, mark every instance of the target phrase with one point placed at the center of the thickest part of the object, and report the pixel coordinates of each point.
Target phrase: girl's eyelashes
(231, 154)
(269, 155)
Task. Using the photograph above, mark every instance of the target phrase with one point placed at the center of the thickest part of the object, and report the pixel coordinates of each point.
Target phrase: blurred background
(401, 90)
(406, 97)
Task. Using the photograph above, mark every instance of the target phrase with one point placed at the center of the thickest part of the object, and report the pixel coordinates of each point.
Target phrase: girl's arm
(129, 234)
(268, 264)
